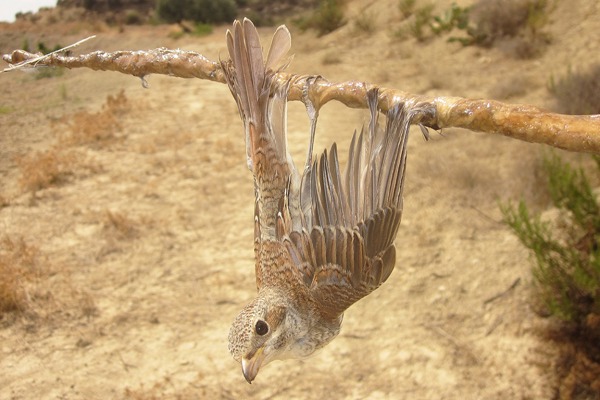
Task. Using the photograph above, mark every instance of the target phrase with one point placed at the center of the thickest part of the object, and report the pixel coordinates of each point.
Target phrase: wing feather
(354, 217)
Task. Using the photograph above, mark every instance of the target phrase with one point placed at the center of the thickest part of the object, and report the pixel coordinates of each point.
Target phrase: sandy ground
(144, 248)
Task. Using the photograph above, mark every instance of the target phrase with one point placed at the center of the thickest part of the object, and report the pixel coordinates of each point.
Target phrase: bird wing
(346, 246)
(262, 103)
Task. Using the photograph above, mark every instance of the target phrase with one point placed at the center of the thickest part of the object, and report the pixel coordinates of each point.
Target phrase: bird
(323, 238)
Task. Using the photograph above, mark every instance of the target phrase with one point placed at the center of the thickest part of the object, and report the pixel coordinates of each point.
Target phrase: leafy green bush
(567, 261)
(205, 11)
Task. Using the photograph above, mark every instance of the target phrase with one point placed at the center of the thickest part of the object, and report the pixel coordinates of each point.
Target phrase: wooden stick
(580, 133)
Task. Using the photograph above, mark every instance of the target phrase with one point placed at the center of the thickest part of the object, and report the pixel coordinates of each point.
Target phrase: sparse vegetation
(43, 169)
(331, 58)
(205, 11)
(42, 48)
(133, 17)
(515, 25)
(120, 225)
(567, 270)
(49, 72)
(365, 22)
(407, 7)
(494, 20)
(422, 18)
(455, 17)
(328, 17)
(5, 110)
(201, 29)
(18, 266)
(54, 166)
(101, 127)
(577, 92)
(511, 87)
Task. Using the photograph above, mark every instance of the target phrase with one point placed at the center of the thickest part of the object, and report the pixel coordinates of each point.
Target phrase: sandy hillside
(141, 248)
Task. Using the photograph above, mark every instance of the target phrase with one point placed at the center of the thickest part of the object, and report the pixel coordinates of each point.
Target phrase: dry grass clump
(19, 265)
(46, 168)
(54, 166)
(577, 92)
(365, 23)
(99, 128)
(120, 226)
(514, 86)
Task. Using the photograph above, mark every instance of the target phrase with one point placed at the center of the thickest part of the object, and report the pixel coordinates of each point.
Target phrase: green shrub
(567, 260)
(423, 16)
(201, 29)
(515, 24)
(46, 50)
(133, 17)
(567, 275)
(205, 11)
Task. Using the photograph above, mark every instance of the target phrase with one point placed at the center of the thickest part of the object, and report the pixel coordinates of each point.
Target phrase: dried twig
(528, 123)
(504, 293)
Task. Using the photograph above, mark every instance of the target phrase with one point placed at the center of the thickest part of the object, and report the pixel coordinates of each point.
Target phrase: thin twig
(457, 344)
(504, 293)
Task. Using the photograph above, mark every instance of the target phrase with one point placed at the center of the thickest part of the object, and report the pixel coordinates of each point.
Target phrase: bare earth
(145, 245)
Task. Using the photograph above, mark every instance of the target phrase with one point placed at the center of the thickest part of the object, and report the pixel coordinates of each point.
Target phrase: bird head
(265, 330)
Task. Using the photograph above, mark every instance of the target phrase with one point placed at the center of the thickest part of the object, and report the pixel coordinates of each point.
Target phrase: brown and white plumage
(323, 239)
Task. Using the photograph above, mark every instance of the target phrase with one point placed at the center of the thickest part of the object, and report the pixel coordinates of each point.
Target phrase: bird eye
(261, 327)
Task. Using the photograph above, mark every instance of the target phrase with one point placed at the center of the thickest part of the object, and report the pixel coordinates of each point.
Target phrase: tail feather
(262, 103)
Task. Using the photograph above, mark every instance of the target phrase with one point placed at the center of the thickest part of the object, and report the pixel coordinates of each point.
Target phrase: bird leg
(313, 115)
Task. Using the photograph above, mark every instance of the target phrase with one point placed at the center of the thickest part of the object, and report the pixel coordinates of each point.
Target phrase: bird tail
(262, 103)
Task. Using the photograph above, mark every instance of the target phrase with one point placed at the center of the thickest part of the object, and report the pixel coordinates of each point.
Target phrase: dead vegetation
(43, 169)
(119, 226)
(94, 128)
(55, 166)
(20, 262)
(19, 269)
(577, 92)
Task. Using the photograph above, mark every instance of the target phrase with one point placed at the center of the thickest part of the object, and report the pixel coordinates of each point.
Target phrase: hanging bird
(323, 239)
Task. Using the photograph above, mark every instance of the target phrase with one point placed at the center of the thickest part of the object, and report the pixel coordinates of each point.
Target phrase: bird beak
(250, 366)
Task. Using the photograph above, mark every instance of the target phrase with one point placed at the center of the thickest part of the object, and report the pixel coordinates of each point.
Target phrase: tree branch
(580, 133)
